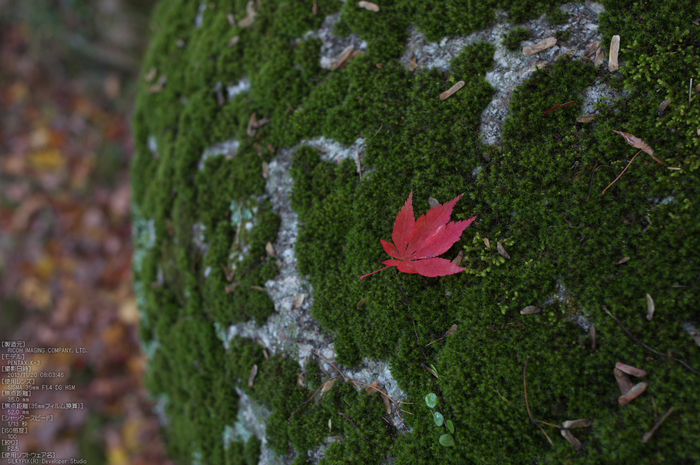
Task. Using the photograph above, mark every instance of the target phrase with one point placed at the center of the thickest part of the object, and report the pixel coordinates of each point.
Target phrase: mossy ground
(539, 195)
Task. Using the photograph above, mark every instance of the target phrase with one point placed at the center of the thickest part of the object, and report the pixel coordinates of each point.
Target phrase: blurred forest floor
(67, 74)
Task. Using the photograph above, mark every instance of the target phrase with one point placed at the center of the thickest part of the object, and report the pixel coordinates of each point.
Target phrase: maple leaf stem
(363, 277)
(623, 172)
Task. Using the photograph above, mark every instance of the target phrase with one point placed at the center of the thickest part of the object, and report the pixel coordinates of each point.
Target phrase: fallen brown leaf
(451, 90)
(340, 59)
(613, 65)
(599, 57)
(368, 6)
(585, 119)
(502, 250)
(638, 143)
(538, 47)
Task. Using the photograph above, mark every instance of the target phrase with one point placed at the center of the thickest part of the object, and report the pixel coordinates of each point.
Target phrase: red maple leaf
(417, 243)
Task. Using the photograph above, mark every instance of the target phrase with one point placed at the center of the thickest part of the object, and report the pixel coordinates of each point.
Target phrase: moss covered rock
(276, 142)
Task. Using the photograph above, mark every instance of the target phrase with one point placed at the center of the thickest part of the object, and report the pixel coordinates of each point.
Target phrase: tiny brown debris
(253, 373)
(451, 90)
(573, 424)
(538, 47)
(594, 340)
(530, 310)
(487, 242)
(623, 381)
(630, 370)
(647, 436)
(270, 249)
(599, 57)
(430, 370)
(300, 378)
(373, 388)
(252, 124)
(234, 40)
(361, 302)
(158, 86)
(229, 274)
(572, 440)
(258, 288)
(330, 422)
(314, 10)
(613, 65)
(586, 118)
(591, 48)
(664, 105)
(433, 202)
(265, 355)
(693, 333)
(502, 250)
(380, 66)
(342, 57)
(632, 394)
(451, 331)
(270, 148)
(251, 14)
(299, 300)
(369, 6)
(412, 63)
(231, 19)
(150, 75)
(328, 385)
(651, 308)
(230, 287)
(387, 403)
(265, 171)
(458, 259)
(623, 260)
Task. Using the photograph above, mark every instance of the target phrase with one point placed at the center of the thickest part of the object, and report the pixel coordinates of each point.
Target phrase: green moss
(511, 40)
(539, 196)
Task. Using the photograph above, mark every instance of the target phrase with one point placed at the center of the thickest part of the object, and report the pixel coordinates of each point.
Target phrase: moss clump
(511, 39)
(539, 196)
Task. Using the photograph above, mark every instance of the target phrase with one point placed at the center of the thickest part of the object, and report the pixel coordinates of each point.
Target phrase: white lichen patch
(291, 329)
(513, 68)
(227, 148)
(240, 87)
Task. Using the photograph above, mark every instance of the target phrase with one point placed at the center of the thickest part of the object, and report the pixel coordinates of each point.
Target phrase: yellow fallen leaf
(47, 160)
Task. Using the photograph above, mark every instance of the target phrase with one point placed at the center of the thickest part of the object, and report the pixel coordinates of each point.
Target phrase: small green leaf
(447, 440)
(437, 416)
(450, 426)
(431, 400)
(433, 367)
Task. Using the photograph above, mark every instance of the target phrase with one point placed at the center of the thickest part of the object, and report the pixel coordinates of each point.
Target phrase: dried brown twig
(623, 172)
